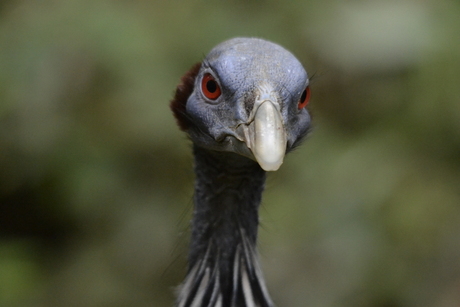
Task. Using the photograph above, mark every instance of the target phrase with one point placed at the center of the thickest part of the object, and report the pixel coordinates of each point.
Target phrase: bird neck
(223, 262)
(228, 192)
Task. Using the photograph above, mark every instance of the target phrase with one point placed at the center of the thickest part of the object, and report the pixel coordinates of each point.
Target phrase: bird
(244, 108)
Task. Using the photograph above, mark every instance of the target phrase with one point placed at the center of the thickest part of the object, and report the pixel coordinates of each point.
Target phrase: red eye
(304, 99)
(210, 87)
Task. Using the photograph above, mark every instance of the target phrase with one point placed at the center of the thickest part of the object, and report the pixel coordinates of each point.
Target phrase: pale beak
(265, 135)
(269, 137)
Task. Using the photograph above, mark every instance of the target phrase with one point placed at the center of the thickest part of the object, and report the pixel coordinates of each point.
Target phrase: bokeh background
(96, 179)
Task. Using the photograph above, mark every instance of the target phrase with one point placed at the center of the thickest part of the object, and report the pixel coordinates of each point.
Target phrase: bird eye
(210, 87)
(304, 99)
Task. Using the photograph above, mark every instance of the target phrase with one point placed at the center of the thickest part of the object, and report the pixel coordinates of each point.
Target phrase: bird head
(248, 96)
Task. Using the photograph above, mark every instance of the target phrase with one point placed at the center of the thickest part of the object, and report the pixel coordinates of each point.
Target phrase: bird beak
(269, 136)
(265, 135)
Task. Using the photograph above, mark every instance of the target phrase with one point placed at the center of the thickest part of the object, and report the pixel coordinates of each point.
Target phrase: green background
(96, 179)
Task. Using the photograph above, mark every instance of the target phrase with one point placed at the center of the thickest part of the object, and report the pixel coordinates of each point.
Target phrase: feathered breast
(205, 286)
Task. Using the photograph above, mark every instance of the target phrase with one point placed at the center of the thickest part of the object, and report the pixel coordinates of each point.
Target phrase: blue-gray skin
(236, 137)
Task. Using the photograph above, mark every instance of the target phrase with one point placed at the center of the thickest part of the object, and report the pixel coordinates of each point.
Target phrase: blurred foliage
(96, 179)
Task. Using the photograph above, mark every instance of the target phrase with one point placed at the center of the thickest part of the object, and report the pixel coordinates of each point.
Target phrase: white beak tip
(270, 165)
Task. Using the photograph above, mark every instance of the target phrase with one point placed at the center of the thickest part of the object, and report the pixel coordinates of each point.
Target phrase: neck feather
(223, 262)
(228, 192)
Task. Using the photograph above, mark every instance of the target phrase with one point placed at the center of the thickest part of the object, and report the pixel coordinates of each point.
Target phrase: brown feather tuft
(183, 91)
